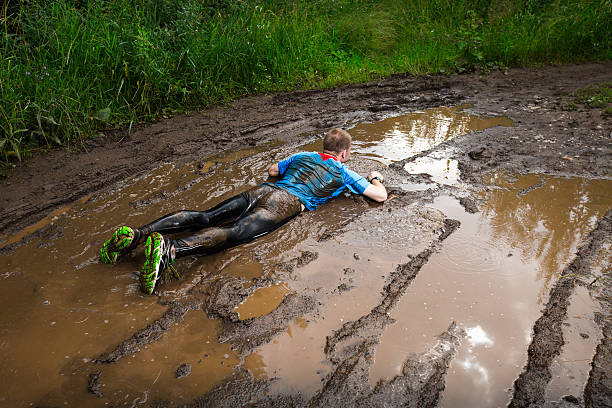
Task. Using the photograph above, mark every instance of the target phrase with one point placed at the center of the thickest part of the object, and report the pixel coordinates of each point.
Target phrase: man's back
(317, 177)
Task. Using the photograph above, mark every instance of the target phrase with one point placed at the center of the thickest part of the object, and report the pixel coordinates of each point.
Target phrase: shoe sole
(111, 249)
(154, 249)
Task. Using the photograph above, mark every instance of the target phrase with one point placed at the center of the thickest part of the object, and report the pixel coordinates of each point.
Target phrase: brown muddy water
(62, 308)
(493, 276)
(399, 137)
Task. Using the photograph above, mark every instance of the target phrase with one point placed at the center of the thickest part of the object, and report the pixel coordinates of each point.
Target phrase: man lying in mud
(307, 180)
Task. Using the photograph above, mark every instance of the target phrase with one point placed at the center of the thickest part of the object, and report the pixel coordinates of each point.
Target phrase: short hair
(336, 140)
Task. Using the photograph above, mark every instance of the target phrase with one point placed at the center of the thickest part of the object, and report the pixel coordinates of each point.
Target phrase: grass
(593, 97)
(69, 68)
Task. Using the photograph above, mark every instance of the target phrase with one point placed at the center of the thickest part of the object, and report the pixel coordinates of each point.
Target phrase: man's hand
(375, 174)
(273, 170)
(376, 190)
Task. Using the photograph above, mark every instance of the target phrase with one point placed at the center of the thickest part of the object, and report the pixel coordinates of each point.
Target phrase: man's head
(338, 142)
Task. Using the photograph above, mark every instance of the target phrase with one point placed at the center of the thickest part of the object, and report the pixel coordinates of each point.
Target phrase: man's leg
(272, 210)
(125, 238)
(226, 211)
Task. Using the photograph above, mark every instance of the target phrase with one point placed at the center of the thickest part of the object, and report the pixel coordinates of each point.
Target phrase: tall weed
(70, 67)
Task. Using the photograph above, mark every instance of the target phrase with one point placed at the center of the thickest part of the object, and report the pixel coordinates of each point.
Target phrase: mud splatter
(95, 383)
(183, 370)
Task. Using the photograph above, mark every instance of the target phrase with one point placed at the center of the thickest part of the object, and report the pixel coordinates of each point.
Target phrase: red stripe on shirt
(326, 156)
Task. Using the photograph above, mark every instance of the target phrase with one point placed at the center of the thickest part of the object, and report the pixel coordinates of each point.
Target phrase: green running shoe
(119, 244)
(157, 259)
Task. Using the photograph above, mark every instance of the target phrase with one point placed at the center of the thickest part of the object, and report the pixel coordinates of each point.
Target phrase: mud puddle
(67, 308)
(570, 370)
(348, 277)
(262, 301)
(350, 272)
(397, 138)
(402, 137)
(492, 276)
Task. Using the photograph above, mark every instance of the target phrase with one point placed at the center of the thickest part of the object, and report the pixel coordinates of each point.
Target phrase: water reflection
(481, 376)
(492, 276)
(581, 335)
(545, 218)
(400, 137)
(442, 171)
(476, 336)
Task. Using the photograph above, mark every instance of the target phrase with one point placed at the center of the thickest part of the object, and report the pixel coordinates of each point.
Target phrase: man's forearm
(376, 191)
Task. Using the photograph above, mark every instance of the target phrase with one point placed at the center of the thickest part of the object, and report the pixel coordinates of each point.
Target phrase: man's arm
(376, 190)
(273, 170)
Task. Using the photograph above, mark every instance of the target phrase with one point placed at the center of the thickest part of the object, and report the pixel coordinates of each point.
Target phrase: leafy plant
(70, 68)
(470, 42)
(596, 96)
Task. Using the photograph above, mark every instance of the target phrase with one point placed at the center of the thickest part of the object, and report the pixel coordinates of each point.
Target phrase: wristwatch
(376, 178)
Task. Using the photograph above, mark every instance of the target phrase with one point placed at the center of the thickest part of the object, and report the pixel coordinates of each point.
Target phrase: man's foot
(157, 259)
(119, 244)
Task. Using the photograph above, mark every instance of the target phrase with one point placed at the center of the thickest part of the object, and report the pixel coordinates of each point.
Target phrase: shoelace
(174, 271)
(170, 267)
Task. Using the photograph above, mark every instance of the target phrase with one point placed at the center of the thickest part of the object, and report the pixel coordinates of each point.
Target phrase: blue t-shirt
(315, 178)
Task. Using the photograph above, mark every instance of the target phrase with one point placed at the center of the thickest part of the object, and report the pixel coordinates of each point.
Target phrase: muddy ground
(529, 97)
(544, 139)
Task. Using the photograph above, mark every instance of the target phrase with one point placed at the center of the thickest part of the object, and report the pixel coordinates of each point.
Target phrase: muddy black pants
(237, 220)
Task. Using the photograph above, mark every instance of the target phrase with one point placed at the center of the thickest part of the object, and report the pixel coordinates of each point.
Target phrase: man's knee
(191, 218)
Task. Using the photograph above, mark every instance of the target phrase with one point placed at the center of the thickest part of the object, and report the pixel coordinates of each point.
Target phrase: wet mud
(149, 334)
(368, 327)
(245, 335)
(598, 390)
(548, 337)
(484, 280)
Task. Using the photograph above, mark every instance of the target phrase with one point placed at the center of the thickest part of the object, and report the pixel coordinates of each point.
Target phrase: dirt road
(483, 281)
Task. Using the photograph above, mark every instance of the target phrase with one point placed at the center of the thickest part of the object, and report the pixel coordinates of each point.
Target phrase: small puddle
(400, 137)
(570, 370)
(441, 170)
(262, 301)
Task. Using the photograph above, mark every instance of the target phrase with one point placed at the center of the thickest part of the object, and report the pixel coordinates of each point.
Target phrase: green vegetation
(599, 96)
(69, 67)
(591, 97)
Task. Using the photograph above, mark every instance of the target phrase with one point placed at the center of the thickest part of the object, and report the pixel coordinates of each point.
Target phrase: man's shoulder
(308, 156)
(302, 154)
